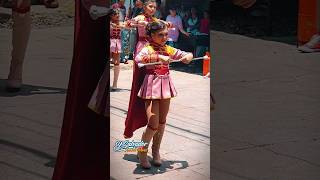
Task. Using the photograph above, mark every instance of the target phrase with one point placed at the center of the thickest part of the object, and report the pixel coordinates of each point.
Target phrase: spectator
(123, 11)
(137, 9)
(173, 33)
(184, 14)
(158, 13)
(193, 22)
(185, 18)
(204, 23)
(181, 11)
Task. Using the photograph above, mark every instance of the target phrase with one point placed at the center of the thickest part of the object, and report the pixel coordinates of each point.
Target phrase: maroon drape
(136, 117)
(83, 152)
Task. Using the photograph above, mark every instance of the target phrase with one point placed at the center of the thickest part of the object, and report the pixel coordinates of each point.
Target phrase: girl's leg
(163, 111)
(152, 110)
(20, 36)
(116, 69)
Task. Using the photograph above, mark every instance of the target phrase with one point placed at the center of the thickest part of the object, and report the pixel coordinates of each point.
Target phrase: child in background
(115, 45)
(177, 27)
(99, 99)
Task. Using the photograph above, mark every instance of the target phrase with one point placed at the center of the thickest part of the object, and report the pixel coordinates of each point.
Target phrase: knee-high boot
(142, 153)
(116, 72)
(20, 37)
(156, 145)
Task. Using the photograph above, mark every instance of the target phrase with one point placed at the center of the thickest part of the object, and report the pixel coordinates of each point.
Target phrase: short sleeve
(176, 53)
(142, 54)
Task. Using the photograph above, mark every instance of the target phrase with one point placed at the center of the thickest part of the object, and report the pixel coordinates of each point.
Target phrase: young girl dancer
(140, 21)
(99, 101)
(115, 45)
(152, 100)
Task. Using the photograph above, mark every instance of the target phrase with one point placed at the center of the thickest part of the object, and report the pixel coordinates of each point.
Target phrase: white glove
(98, 11)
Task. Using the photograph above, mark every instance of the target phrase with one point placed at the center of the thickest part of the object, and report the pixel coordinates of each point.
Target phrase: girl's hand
(187, 58)
(123, 25)
(184, 60)
(164, 59)
(136, 23)
(143, 23)
(168, 24)
(113, 25)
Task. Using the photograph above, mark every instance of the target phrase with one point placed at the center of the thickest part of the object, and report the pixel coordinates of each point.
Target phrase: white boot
(116, 72)
(156, 145)
(20, 37)
(143, 155)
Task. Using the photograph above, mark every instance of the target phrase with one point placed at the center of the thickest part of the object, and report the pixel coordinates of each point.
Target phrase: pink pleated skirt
(156, 86)
(115, 45)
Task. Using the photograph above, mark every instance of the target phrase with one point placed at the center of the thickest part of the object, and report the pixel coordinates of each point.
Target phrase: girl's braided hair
(154, 27)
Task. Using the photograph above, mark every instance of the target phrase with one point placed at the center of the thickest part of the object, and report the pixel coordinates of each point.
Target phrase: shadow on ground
(28, 90)
(44, 155)
(166, 165)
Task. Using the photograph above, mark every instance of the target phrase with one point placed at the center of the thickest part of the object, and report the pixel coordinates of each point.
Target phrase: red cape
(136, 117)
(83, 151)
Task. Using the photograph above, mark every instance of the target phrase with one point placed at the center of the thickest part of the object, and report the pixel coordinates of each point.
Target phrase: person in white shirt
(173, 33)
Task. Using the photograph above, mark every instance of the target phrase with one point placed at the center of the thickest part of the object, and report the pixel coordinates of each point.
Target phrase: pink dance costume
(142, 37)
(157, 83)
(99, 101)
(115, 40)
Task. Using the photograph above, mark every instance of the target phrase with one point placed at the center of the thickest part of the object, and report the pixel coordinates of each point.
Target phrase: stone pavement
(30, 121)
(266, 124)
(186, 142)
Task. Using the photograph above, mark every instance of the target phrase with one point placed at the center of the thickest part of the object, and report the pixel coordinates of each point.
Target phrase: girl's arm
(137, 21)
(185, 57)
(123, 25)
(168, 24)
(145, 56)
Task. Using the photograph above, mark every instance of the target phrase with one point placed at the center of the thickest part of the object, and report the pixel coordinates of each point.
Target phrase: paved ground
(266, 125)
(31, 120)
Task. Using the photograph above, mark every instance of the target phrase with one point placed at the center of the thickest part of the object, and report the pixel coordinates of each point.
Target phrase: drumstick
(140, 65)
(98, 11)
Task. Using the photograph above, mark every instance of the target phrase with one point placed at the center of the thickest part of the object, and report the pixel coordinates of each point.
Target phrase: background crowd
(191, 25)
